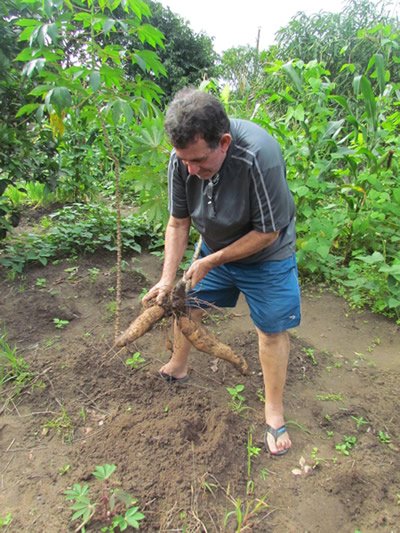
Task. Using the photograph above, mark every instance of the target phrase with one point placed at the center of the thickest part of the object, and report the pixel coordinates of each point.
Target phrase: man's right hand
(158, 293)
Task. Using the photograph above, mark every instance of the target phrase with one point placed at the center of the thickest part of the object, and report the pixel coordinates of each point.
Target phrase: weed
(260, 395)
(264, 473)
(384, 437)
(360, 421)
(83, 414)
(135, 360)
(111, 308)
(62, 424)
(237, 399)
(245, 513)
(115, 507)
(329, 434)
(60, 323)
(63, 470)
(13, 368)
(41, 283)
(6, 521)
(310, 354)
(252, 451)
(330, 397)
(93, 274)
(142, 294)
(346, 445)
(72, 272)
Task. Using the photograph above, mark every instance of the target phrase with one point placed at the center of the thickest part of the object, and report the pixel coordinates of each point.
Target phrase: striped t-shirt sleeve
(177, 204)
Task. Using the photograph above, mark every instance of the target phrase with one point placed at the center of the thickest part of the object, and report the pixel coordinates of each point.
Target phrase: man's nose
(193, 168)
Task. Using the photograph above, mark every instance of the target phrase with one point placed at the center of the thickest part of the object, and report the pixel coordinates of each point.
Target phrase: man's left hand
(199, 269)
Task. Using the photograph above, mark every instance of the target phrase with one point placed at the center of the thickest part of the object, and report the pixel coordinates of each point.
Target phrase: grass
(14, 370)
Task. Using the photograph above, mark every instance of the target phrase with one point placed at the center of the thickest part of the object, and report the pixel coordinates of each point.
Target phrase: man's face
(201, 160)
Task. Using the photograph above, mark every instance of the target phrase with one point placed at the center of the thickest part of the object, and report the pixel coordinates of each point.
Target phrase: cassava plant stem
(115, 160)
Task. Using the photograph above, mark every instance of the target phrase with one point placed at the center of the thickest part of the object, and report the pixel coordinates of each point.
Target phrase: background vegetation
(83, 90)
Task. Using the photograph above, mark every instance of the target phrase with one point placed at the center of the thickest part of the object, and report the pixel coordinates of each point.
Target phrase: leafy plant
(252, 451)
(62, 424)
(360, 421)
(310, 354)
(237, 401)
(384, 437)
(135, 360)
(114, 507)
(346, 445)
(6, 521)
(330, 397)
(13, 368)
(60, 323)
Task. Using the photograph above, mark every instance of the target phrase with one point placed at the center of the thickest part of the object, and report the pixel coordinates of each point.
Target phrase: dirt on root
(181, 450)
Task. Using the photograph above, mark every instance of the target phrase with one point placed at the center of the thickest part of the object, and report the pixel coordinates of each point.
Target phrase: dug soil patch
(181, 450)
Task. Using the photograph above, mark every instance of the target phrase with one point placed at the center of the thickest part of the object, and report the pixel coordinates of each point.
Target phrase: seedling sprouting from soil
(41, 282)
(60, 323)
(346, 445)
(310, 354)
(13, 368)
(252, 451)
(114, 508)
(384, 437)
(93, 274)
(62, 425)
(360, 421)
(135, 360)
(330, 397)
(6, 521)
(237, 399)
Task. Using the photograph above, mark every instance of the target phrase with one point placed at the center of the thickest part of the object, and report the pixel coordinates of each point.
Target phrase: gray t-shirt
(251, 193)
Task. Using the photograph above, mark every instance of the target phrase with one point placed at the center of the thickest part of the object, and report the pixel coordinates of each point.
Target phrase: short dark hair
(194, 113)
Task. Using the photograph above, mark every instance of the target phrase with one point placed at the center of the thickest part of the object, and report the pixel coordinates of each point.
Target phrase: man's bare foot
(172, 369)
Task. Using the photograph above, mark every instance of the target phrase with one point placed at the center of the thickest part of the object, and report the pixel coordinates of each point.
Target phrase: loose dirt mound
(181, 450)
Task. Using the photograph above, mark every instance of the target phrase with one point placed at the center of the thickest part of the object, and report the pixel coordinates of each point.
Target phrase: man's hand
(159, 293)
(199, 269)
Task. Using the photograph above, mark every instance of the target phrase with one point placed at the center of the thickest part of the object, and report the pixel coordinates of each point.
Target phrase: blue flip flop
(172, 379)
(275, 433)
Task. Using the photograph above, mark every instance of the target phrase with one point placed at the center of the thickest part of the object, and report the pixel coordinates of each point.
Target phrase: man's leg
(274, 354)
(177, 366)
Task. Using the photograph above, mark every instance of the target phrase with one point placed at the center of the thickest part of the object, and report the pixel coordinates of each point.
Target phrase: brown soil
(181, 450)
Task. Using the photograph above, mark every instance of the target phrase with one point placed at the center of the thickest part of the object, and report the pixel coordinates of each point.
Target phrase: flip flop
(172, 379)
(275, 433)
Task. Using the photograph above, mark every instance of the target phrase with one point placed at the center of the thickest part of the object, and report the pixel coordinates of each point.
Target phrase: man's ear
(225, 142)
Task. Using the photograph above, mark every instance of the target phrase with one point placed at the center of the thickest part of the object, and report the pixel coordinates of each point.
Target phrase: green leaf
(293, 75)
(104, 471)
(95, 80)
(27, 110)
(31, 66)
(151, 35)
(59, 98)
(108, 24)
(149, 62)
(373, 259)
(380, 72)
(139, 7)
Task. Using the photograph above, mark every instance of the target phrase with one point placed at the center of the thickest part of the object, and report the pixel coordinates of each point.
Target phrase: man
(227, 178)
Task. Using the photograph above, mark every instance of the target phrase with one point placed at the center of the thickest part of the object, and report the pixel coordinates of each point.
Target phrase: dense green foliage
(90, 106)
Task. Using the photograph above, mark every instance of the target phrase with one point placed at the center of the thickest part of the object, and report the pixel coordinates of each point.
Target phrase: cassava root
(205, 341)
(140, 325)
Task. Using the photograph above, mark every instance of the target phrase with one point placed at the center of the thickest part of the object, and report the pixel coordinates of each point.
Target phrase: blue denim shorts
(271, 289)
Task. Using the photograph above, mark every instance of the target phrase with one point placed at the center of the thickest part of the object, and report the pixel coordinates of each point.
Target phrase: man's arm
(176, 239)
(249, 244)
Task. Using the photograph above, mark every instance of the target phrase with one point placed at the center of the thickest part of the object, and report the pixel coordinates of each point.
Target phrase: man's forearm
(176, 239)
(249, 244)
